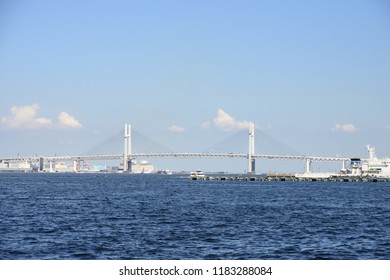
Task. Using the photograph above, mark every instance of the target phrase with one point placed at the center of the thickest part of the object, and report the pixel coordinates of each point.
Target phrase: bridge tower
(251, 152)
(127, 150)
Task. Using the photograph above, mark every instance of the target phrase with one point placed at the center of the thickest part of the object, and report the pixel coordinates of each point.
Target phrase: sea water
(124, 216)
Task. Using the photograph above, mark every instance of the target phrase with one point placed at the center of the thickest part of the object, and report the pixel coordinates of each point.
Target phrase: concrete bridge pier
(251, 152)
(41, 164)
(308, 166)
(127, 149)
(76, 165)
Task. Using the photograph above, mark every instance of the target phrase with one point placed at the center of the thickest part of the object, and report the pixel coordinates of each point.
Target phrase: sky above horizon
(188, 74)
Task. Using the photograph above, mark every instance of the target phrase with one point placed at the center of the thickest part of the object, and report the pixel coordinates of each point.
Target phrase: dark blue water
(119, 216)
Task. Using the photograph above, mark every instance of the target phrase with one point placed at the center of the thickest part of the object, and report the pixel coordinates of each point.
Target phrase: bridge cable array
(112, 145)
(236, 143)
(264, 145)
(142, 144)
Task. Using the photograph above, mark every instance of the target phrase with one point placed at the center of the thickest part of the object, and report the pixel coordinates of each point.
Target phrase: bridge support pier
(253, 167)
(41, 164)
(127, 150)
(344, 164)
(308, 166)
(76, 164)
(251, 152)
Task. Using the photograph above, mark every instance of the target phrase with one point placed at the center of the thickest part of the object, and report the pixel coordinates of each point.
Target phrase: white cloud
(176, 128)
(206, 125)
(22, 117)
(25, 117)
(68, 121)
(226, 122)
(348, 128)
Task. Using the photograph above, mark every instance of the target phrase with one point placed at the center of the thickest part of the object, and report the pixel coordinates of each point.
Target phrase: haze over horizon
(312, 74)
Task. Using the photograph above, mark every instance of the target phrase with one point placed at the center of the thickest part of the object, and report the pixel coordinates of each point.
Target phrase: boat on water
(196, 175)
(371, 167)
(165, 172)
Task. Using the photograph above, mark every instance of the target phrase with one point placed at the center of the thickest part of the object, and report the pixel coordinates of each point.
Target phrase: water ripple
(87, 216)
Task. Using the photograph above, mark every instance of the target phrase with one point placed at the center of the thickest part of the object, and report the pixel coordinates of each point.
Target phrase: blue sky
(313, 74)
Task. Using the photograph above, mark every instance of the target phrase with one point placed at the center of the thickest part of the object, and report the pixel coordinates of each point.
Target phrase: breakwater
(291, 178)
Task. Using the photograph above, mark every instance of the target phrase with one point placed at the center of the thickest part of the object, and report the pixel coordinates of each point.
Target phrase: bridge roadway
(174, 155)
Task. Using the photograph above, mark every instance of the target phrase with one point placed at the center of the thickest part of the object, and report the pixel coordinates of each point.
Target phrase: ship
(372, 166)
(165, 172)
(141, 167)
(197, 175)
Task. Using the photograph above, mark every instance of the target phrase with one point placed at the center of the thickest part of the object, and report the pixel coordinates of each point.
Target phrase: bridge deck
(174, 155)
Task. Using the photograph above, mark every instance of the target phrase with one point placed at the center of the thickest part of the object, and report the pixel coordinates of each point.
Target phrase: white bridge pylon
(251, 152)
(127, 150)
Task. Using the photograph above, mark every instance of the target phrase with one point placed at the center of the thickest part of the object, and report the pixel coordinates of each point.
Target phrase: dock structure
(291, 178)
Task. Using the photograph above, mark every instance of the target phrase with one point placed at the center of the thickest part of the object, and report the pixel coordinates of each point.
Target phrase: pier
(290, 178)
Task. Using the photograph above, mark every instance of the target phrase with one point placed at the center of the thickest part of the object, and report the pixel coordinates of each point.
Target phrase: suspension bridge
(132, 142)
